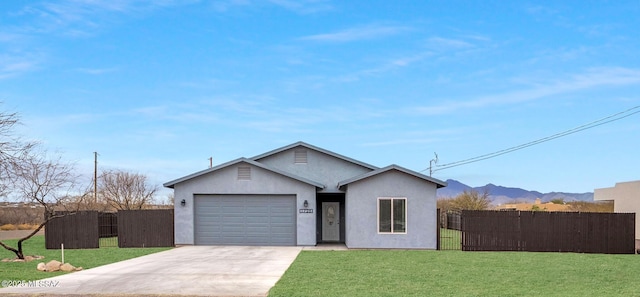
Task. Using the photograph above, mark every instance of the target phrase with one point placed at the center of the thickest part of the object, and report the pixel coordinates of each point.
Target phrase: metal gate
(449, 230)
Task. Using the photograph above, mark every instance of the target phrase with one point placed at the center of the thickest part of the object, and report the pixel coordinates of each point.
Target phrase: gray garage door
(245, 220)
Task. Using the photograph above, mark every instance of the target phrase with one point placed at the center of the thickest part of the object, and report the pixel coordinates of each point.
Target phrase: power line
(612, 118)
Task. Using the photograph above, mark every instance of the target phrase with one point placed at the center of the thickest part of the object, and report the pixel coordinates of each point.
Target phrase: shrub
(557, 201)
(8, 227)
(26, 227)
(604, 206)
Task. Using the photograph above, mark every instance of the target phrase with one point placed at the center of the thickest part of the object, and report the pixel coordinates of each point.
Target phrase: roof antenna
(432, 162)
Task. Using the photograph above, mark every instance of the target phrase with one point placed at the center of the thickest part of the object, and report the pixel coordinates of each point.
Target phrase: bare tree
(169, 200)
(471, 200)
(47, 182)
(124, 190)
(13, 150)
(85, 200)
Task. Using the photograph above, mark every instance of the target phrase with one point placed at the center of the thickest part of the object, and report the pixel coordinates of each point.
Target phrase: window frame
(406, 213)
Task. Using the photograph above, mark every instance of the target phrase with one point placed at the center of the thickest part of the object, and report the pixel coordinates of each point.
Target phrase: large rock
(53, 265)
(66, 267)
(42, 266)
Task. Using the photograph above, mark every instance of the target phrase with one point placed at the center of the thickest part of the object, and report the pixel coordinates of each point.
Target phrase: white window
(392, 215)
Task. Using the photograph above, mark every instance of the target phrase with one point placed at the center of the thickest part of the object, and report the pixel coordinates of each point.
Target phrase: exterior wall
(320, 167)
(362, 212)
(626, 198)
(224, 181)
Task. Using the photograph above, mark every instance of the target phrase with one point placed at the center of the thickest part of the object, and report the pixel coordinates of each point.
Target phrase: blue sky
(157, 87)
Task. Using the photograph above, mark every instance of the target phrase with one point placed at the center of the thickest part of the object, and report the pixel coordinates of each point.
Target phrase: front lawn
(87, 258)
(457, 273)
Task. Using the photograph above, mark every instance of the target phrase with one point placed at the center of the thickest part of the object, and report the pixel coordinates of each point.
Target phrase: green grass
(109, 242)
(457, 273)
(450, 239)
(87, 258)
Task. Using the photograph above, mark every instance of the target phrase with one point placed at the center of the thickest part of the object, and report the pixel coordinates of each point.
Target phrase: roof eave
(172, 183)
(319, 149)
(439, 183)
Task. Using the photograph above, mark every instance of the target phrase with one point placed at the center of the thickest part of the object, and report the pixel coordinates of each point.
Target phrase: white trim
(406, 219)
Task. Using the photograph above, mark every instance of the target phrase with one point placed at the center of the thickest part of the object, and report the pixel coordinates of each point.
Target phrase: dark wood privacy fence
(133, 228)
(77, 230)
(537, 231)
(147, 228)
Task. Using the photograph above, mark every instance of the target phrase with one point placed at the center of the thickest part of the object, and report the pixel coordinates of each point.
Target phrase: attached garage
(245, 220)
(278, 199)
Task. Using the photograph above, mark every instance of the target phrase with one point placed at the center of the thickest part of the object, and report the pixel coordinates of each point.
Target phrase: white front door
(330, 221)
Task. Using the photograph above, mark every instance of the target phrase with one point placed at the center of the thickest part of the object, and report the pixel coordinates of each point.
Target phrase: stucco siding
(225, 181)
(361, 206)
(625, 197)
(320, 167)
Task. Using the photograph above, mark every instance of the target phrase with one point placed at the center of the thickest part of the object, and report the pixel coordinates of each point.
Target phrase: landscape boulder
(66, 267)
(53, 265)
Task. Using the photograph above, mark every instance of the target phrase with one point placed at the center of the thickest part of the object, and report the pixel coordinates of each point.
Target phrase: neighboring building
(626, 199)
(537, 205)
(303, 195)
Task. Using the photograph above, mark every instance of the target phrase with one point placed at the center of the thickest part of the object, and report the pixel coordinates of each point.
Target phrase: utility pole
(433, 161)
(95, 177)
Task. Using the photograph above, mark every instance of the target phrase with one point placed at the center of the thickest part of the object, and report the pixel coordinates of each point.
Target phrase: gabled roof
(243, 160)
(315, 148)
(439, 183)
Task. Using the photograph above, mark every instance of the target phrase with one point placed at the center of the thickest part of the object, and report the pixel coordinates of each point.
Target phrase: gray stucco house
(304, 195)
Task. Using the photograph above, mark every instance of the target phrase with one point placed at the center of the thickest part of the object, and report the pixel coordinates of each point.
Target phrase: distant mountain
(500, 194)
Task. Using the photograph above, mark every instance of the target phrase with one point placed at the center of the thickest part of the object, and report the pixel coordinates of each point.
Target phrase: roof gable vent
(244, 172)
(300, 156)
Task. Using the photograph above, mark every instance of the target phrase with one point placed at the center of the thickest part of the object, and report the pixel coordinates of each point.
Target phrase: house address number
(306, 210)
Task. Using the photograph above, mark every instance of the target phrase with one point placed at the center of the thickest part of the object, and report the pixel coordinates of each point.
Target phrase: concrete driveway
(187, 270)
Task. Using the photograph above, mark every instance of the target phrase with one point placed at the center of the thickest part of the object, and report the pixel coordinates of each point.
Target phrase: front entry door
(330, 221)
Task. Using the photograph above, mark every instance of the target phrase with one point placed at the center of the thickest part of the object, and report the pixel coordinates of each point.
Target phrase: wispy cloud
(20, 49)
(400, 141)
(83, 17)
(212, 83)
(97, 71)
(388, 66)
(539, 10)
(225, 5)
(557, 17)
(11, 65)
(435, 47)
(591, 78)
(8, 37)
(304, 6)
(447, 43)
(296, 6)
(424, 136)
(358, 33)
